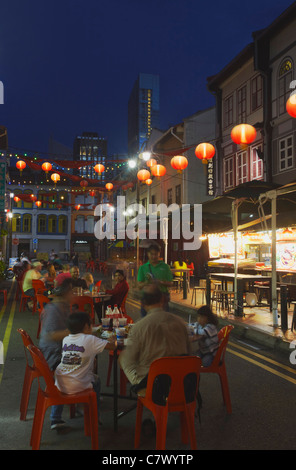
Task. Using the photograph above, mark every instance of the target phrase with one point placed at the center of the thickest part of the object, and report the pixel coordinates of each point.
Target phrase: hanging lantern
(38, 203)
(291, 105)
(83, 184)
(77, 207)
(33, 198)
(99, 168)
(158, 170)
(179, 163)
(46, 167)
(59, 206)
(243, 134)
(92, 193)
(124, 187)
(21, 165)
(143, 175)
(55, 177)
(109, 186)
(16, 199)
(205, 152)
(151, 162)
(130, 185)
(149, 181)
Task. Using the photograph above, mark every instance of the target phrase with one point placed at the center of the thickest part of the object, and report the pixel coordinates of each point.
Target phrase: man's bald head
(151, 296)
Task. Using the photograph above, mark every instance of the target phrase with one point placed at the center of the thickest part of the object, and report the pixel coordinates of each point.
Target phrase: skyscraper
(91, 148)
(143, 111)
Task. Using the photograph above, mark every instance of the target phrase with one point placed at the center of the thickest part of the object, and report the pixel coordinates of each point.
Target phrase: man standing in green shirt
(158, 272)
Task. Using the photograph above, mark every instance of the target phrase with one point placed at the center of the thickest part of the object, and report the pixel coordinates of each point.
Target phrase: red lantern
(149, 181)
(205, 152)
(55, 177)
(143, 175)
(92, 193)
(151, 162)
(291, 105)
(21, 165)
(109, 186)
(38, 203)
(59, 206)
(83, 184)
(130, 185)
(99, 168)
(16, 199)
(179, 163)
(243, 134)
(77, 207)
(158, 170)
(46, 167)
(124, 187)
(33, 198)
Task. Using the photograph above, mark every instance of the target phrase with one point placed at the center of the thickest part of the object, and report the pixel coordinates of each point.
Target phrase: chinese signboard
(210, 178)
(2, 185)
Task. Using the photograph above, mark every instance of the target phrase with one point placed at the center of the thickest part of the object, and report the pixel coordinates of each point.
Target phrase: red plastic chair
(177, 368)
(41, 300)
(39, 288)
(123, 378)
(52, 396)
(83, 300)
(122, 306)
(4, 292)
(218, 365)
(30, 374)
(24, 298)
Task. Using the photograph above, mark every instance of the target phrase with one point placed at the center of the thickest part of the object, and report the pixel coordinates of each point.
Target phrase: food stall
(254, 253)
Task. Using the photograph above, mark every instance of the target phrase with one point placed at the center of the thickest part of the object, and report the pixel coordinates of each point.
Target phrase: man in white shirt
(159, 334)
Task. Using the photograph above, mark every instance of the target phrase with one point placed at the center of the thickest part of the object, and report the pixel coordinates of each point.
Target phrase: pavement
(262, 384)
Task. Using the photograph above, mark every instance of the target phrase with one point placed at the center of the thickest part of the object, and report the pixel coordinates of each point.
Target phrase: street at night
(147, 228)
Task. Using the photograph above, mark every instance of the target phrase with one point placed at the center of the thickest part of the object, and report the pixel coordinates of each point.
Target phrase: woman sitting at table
(89, 281)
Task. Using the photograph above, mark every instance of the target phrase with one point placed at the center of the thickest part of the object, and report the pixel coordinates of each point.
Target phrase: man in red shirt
(119, 291)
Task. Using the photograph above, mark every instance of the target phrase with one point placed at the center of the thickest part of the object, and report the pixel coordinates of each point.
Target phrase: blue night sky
(69, 66)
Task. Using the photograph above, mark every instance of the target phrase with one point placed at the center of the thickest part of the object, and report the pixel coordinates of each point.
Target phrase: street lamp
(10, 215)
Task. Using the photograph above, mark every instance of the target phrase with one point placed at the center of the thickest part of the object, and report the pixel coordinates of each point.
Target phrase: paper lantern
(21, 165)
(109, 186)
(149, 181)
(243, 134)
(83, 184)
(99, 168)
(92, 193)
(55, 177)
(77, 207)
(33, 198)
(59, 206)
(143, 175)
(130, 185)
(46, 167)
(291, 105)
(158, 170)
(205, 152)
(151, 162)
(179, 163)
(38, 203)
(16, 199)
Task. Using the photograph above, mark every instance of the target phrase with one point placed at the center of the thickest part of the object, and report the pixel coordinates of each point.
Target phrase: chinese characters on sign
(2, 185)
(210, 178)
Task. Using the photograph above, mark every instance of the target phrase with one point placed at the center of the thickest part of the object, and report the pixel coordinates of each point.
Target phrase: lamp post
(10, 215)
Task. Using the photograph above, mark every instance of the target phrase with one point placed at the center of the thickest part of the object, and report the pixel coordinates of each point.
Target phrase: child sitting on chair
(206, 335)
(75, 372)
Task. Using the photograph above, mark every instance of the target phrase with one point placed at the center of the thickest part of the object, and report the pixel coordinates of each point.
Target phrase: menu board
(286, 256)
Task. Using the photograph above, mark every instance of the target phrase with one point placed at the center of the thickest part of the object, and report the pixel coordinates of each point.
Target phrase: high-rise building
(91, 148)
(143, 111)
